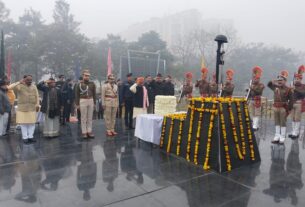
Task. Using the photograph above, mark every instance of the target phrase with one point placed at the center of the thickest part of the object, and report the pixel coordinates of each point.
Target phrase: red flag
(109, 62)
(9, 64)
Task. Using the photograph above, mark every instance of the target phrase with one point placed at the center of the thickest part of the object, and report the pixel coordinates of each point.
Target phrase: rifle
(181, 94)
(220, 91)
(249, 90)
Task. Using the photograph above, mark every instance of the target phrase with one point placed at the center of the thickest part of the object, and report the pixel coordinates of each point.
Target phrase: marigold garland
(189, 137)
(235, 137)
(206, 165)
(241, 127)
(179, 137)
(198, 136)
(250, 138)
(225, 140)
(163, 132)
(170, 135)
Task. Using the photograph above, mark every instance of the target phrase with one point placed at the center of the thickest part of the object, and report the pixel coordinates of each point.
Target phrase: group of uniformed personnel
(287, 99)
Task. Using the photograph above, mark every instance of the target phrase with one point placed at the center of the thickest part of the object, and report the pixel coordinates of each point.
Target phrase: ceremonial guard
(203, 84)
(110, 103)
(255, 95)
(281, 106)
(228, 87)
(298, 95)
(85, 99)
(187, 88)
(213, 86)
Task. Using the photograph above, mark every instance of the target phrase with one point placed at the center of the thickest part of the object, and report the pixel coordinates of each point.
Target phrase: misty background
(61, 37)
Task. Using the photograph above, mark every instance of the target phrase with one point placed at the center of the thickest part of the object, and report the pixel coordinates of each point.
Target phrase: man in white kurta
(28, 104)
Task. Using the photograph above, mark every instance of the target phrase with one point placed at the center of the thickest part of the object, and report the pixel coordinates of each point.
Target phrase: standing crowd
(59, 99)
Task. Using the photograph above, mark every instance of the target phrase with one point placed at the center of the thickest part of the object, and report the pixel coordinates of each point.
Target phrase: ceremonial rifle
(249, 90)
(182, 92)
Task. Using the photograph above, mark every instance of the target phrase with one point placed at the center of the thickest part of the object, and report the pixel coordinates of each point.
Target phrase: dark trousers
(67, 112)
(78, 115)
(128, 113)
(119, 112)
(9, 121)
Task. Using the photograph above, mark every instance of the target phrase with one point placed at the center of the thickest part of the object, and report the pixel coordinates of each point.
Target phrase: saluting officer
(298, 95)
(203, 84)
(281, 106)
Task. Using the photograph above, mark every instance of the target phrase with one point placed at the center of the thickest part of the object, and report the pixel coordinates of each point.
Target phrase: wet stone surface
(124, 171)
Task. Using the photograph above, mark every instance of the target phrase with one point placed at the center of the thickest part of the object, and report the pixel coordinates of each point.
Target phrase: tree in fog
(65, 45)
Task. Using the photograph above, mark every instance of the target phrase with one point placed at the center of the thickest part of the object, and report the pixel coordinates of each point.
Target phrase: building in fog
(174, 27)
(169, 27)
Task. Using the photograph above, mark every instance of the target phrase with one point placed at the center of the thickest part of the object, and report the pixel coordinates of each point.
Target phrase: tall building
(169, 27)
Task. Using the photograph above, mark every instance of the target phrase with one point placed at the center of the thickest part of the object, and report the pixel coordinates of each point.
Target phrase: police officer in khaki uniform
(255, 95)
(298, 95)
(228, 87)
(281, 106)
(110, 103)
(203, 84)
(85, 99)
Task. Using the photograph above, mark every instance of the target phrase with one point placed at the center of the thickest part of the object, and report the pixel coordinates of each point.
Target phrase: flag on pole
(203, 64)
(109, 62)
(2, 60)
(9, 64)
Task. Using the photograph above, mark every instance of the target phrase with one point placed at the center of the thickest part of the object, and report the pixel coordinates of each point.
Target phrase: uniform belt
(279, 104)
(111, 96)
(86, 97)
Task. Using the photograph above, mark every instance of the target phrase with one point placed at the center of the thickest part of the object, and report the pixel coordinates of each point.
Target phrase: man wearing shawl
(140, 97)
(51, 107)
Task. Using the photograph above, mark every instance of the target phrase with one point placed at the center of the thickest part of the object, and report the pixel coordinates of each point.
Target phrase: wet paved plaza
(122, 171)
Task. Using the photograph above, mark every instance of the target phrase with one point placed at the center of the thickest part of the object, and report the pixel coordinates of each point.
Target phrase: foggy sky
(279, 22)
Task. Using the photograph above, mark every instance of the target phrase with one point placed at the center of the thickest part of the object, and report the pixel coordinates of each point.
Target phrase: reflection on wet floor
(123, 171)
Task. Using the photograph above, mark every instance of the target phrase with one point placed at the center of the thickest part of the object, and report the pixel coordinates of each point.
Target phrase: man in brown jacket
(281, 106)
(85, 99)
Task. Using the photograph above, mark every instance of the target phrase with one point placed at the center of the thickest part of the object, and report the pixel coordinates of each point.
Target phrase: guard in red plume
(187, 88)
(228, 87)
(203, 84)
(281, 106)
(213, 86)
(298, 95)
(256, 92)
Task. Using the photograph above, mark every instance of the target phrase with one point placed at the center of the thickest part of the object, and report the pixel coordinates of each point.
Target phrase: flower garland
(198, 136)
(179, 137)
(170, 135)
(250, 138)
(163, 132)
(225, 140)
(241, 126)
(240, 156)
(189, 137)
(206, 165)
